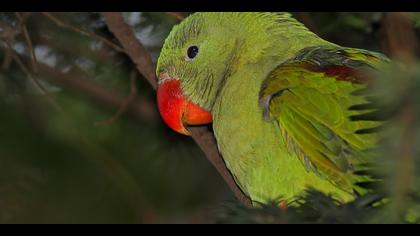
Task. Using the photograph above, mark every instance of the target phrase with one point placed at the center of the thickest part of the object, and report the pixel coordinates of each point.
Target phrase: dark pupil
(192, 52)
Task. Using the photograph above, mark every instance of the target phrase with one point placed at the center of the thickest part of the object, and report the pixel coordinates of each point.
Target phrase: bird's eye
(192, 52)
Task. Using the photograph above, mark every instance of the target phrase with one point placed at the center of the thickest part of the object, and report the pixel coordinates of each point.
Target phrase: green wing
(309, 97)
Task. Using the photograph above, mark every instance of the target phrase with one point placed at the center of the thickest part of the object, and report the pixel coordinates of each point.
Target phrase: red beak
(176, 110)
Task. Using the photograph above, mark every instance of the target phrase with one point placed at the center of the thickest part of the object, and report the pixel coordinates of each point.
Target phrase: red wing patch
(342, 73)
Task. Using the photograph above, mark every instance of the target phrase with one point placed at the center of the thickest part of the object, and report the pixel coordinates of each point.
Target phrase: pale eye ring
(192, 52)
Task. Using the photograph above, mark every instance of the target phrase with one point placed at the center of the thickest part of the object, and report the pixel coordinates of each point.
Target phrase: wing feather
(309, 97)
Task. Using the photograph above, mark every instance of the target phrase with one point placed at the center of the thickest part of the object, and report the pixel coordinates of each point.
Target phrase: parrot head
(192, 63)
(201, 53)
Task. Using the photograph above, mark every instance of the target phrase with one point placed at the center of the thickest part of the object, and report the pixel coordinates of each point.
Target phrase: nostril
(163, 76)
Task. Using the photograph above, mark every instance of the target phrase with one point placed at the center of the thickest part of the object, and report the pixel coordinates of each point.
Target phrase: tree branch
(401, 41)
(207, 143)
(22, 66)
(134, 49)
(7, 36)
(83, 32)
(24, 30)
(307, 20)
(402, 44)
(178, 15)
(140, 109)
(141, 57)
(127, 101)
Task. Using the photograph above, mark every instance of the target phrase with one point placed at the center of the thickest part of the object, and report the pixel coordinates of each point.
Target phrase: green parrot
(280, 99)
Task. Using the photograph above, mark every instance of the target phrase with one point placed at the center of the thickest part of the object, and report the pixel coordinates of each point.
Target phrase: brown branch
(28, 40)
(7, 35)
(207, 143)
(102, 56)
(134, 49)
(178, 15)
(11, 55)
(124, 105)
(140, 109)
(86, 33)
(7, 31)
(28, 74)
(141, 57)
(404, 177)
(401, 42)
(7, 61)
(307, 20)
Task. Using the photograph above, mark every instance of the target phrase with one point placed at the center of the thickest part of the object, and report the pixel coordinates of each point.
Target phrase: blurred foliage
(316, 208)
(57, 165)
(415, 17)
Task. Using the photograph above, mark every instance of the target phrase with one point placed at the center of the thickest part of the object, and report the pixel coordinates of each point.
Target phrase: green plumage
(309, 96)
(280, 99)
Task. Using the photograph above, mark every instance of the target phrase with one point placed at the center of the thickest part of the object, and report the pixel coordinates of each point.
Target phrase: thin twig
(400, 41)
(83, 32)
(7, 61)
(404, 177)
(178, 15)
(207, 143)
(125, 103)
(7, 31)
(28, 40)
(402, 44)
(141, 110)
(7, 35)
(101, 56)
(10, 52)
(28, 74)
(80, 83)
(135, 50)
(141, 57)
(307, 20)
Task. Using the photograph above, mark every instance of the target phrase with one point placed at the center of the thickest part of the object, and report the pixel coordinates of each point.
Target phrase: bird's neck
(259, 56)
(261, 45)
(275, 38)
